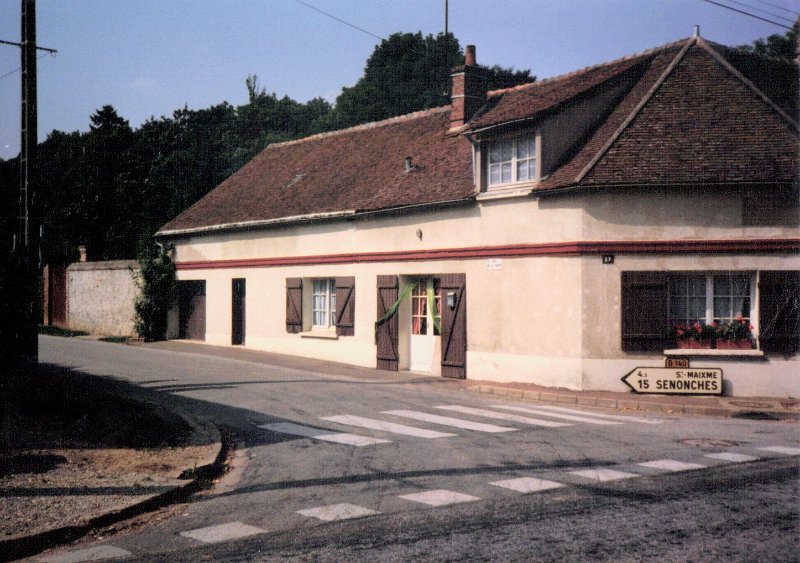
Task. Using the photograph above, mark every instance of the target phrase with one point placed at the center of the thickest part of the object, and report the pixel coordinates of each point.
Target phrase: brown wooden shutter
(387, 332)
(779, 311)
(644, 311)
(294, 305)
(454, 326)
(345, 306)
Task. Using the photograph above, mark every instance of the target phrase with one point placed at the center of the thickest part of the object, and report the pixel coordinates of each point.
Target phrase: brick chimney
(470, 84)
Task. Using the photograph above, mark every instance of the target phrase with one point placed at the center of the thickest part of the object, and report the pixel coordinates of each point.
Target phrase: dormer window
(512, 160)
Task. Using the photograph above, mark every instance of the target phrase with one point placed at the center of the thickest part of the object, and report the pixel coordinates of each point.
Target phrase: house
(559, 229)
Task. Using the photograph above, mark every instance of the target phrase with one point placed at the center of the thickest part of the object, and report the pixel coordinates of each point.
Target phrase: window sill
(321, 333)
(506, 191)
(695, 352)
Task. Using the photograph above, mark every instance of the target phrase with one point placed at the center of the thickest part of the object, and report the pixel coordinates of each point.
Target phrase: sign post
(677, 381)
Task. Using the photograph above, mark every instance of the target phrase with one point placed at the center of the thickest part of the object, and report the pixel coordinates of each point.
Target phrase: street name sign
(682, 381)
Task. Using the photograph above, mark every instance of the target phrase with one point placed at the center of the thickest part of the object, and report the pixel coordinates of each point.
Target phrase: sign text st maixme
(675, 380)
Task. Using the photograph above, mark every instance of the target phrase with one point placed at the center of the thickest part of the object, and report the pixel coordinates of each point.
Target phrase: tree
(109, 188)
(157, 291)
(776, 45)
(408, 72)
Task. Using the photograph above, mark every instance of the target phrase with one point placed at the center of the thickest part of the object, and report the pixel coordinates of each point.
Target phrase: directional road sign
(683, 381)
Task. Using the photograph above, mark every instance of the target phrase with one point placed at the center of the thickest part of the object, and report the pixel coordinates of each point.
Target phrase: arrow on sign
(684, 381)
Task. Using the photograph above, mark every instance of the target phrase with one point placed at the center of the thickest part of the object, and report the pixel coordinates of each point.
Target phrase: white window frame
(534, 158)
(323, 303)
(709, 316)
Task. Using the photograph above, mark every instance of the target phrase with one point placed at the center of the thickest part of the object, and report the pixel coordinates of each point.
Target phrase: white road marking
(671, 465)
(89, 554)
(527, 484)
(448, 421)
(572, 417)
(603, 474)
(373, 424)
(731, 456)
(317, 434)
(503, 416)
(343, 511)
(781, 450)
(222, 532)
(601, 415)
(439, 497)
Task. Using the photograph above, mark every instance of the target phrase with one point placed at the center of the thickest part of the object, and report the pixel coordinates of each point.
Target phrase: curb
(204, 476)
(631, 404)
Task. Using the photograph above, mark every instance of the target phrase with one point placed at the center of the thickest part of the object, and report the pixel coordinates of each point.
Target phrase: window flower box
(735, 334)
(692, 344)
(694, 336)
(742, 344)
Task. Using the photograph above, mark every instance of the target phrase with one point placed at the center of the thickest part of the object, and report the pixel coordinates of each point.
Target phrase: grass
(115, 339)
(58, 331)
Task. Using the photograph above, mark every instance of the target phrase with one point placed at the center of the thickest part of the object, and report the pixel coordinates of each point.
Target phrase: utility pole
(18, 340)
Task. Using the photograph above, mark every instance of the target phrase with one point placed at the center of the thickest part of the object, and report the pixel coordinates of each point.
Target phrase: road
(375, 466)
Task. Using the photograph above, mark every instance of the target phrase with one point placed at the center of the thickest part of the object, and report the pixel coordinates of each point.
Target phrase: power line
(742, 12)
(790, 20)
(339, 20)
(796, 13)
(19, 68)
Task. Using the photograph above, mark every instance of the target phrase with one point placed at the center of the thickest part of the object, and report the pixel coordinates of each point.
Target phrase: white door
(424, 326)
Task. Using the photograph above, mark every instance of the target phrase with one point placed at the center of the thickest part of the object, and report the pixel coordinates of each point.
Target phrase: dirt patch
(75, 446)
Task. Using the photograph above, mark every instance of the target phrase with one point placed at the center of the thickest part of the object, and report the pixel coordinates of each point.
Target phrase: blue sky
(150, 57)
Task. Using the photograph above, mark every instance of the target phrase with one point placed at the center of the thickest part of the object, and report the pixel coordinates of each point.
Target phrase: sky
(148, 58)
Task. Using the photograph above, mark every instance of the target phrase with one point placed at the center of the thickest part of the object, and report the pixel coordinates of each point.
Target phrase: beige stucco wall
(101, 297)
(670, 213)
(510, 329)
(550, 320)
(490, 224)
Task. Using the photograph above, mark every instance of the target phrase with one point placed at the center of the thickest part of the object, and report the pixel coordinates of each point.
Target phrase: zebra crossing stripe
(343, 511)
(782, 450)
(503, 416)
(671, 465)
(317, 434)
(440, 497)
(603, 474)
(624, 418)
(527, 484)
(222, 532)
(732, 456)
(351, 420)
(448, 421)
(572, 417)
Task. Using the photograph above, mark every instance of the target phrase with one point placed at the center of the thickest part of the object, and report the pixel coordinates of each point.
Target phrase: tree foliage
(777, 45)
(110, 188)
(157, 291)
(408, 72)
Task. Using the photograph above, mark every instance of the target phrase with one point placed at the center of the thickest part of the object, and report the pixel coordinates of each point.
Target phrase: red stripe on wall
(732, 246)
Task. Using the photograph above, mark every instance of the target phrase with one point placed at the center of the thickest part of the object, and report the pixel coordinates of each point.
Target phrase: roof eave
(310, 218)
(576, 188)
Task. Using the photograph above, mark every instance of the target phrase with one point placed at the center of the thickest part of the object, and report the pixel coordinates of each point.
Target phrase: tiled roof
(531, 100)
(690, 112)
(357, 169)
(693, 117)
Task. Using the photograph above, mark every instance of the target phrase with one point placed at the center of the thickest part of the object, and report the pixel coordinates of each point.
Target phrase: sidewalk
(734, 407)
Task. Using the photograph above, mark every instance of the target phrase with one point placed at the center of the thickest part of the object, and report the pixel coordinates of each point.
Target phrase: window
(419, 307)
(512, 160)
(653, 303)
(323, 303)
(314, 305)
(708, 298)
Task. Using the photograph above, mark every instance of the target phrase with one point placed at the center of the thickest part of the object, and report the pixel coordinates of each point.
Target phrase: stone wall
(101, 295)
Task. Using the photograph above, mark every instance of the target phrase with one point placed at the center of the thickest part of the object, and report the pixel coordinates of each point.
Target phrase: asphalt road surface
(398, 467)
